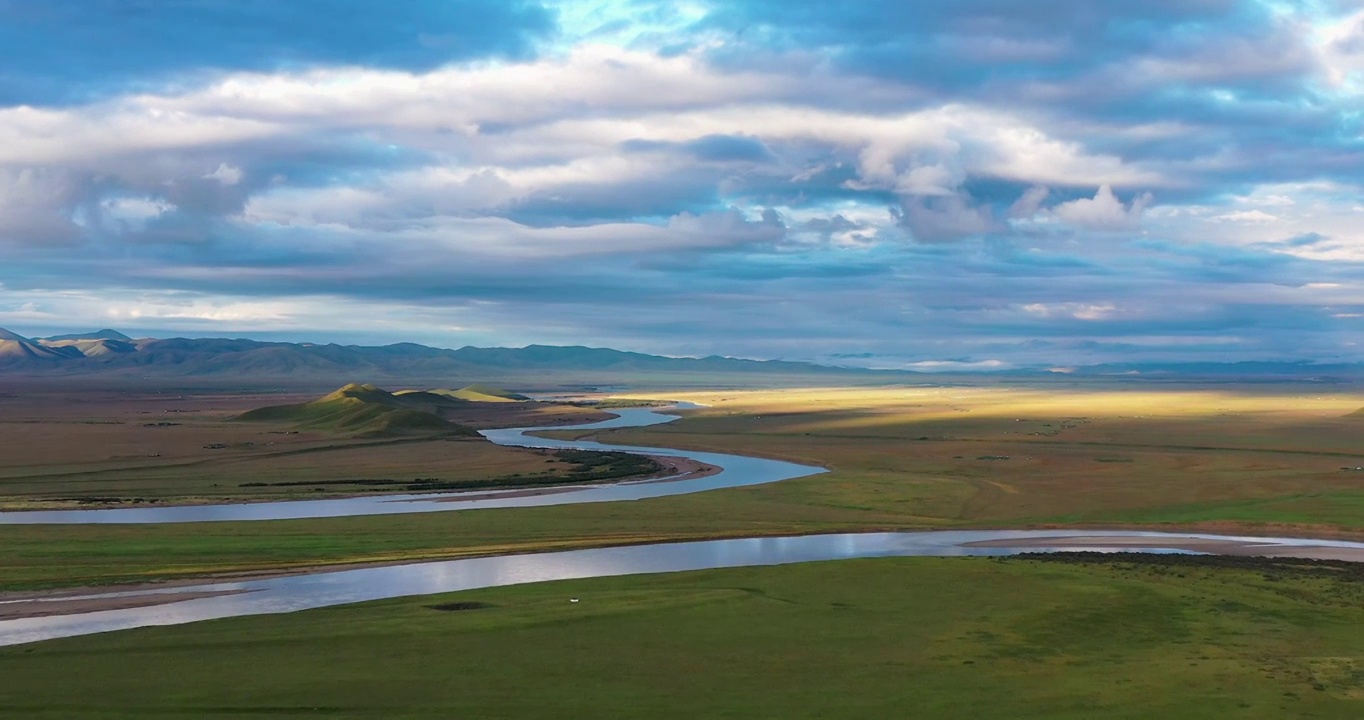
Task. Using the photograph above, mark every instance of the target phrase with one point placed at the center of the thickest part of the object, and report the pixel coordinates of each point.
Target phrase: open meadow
(1132, 637)
(1260, 456)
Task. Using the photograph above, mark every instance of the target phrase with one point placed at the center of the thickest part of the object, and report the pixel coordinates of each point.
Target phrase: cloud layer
(972, 183)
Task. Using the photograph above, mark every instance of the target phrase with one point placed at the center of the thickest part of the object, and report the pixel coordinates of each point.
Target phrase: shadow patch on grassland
(460, 606)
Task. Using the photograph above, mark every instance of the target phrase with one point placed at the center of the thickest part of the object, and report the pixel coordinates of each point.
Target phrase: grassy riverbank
(942, 638)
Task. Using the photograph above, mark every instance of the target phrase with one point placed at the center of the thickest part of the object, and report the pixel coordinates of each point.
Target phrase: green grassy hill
(365, 410)
(477, 393)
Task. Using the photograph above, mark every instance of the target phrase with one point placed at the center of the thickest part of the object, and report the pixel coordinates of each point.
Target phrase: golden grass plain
(1008, 454)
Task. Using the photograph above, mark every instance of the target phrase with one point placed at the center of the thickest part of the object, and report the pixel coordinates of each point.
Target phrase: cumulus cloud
(225, 174)
(1104, 211)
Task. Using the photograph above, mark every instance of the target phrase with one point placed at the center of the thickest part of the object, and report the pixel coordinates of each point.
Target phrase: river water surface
(301, 592)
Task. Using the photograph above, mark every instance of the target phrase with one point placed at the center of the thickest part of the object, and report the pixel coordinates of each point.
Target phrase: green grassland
(480, 392)
(906, 637)
(310, 471)
(1265, 461)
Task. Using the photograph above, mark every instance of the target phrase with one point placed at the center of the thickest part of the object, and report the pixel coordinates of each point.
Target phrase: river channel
(736, 471)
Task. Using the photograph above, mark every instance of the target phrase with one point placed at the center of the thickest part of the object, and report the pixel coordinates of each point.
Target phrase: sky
(943, 184)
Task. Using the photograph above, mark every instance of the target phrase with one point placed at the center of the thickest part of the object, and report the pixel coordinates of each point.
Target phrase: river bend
(736, 471)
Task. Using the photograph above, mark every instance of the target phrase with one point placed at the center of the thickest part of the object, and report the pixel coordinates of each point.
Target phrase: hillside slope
(364, 411)
(16, 349)
(478, 392)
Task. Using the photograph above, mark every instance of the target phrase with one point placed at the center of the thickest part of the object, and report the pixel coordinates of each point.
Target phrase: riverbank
(949, 638)
(14, 605)
(77, 604)
(1210, 546)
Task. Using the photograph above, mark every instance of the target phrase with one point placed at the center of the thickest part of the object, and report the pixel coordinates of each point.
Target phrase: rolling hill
(478, 393)
(16, 349)
(92, 347)
(365, 411)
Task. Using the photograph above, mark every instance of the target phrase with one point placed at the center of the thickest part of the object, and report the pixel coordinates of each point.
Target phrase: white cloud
(432, 242)
(226, 174)
(936, 179)
(957, 365)
(1074, 310)
(134, 210)
(1268, 200)
(533, 113)
(1340, 50)
(92, 135)
(1248, 216)
(1104, 211)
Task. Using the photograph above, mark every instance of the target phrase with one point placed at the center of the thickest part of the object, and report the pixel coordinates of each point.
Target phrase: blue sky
(937, 184)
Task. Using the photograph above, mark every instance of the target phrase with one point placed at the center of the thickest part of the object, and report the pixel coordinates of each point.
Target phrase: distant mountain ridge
(110, 352)
(17, 349)
(105, 334)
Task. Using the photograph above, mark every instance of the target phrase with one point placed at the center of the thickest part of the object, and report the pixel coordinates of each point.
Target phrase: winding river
(208, 601)
(737, 471)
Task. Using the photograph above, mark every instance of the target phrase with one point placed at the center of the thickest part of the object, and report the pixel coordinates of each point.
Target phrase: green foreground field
(905, 637)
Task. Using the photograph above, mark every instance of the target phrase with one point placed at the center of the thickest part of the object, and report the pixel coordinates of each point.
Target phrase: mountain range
(111, 353)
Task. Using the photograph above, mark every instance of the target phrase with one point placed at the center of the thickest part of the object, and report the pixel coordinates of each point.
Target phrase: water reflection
(289, 594)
